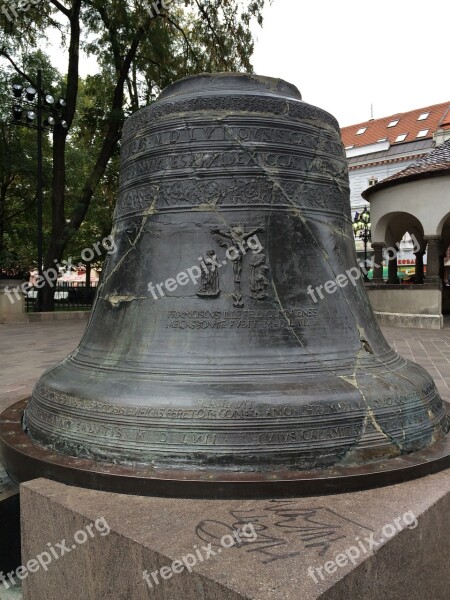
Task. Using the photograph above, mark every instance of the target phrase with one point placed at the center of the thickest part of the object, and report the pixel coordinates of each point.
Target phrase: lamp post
(32, 102)
(362, 230)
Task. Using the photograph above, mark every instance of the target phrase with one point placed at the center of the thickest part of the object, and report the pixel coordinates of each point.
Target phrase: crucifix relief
(235, 239)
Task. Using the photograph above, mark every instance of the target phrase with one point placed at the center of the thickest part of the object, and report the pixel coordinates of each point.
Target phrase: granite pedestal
(389, 543)
(9, 525)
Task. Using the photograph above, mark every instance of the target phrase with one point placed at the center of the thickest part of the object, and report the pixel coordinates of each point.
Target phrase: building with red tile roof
(418, 124)
(379, 148)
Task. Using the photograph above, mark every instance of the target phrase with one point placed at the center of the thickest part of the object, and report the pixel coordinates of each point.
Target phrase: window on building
(393, 123)
(423, 133)
(423, 116)
(372, 181)
(361, 131)
(401, 138)
(382, 140)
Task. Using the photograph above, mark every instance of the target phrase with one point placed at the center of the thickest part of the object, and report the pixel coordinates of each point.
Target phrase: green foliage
(137, 57)
(18, 182)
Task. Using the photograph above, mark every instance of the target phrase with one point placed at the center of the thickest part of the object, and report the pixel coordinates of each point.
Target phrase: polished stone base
(12, 305)
(415, 306)
(385, 543)
(12, 593)
(25, 460)
(409, 320)
(9, 525)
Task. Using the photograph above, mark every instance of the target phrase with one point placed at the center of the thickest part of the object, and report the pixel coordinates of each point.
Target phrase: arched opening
(445, 265)
(411, 259)
(404, 250)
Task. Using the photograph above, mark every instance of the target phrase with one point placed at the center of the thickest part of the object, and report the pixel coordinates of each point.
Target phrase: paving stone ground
(428, 348)
(26, 350)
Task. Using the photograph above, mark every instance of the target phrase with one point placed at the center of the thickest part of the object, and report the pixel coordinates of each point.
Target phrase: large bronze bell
(209, 348)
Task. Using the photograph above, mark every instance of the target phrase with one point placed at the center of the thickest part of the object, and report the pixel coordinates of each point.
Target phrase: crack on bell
(116, 301)
(370, 414)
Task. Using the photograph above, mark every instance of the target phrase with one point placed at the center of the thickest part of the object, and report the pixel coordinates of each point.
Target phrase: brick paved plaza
(26, 350)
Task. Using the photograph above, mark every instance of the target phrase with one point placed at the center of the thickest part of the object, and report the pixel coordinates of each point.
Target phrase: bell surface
(231, 331)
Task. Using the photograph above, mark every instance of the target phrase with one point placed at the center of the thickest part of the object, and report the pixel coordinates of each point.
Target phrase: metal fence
(68, 296)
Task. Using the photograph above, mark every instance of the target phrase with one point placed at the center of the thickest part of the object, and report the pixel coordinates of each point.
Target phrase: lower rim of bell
(25, 460)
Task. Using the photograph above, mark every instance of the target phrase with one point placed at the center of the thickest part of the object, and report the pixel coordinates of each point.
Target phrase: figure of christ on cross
(238, 237)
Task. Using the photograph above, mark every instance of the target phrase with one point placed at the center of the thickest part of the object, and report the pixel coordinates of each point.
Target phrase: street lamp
(362, 230)
(30, 94)
(17, 112)
(49, 100)
(32, 104)
(17, 90)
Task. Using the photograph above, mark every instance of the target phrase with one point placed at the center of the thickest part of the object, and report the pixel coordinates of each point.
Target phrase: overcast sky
(344, 56)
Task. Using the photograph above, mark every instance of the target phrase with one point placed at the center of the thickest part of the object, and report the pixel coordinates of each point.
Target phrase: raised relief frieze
(234, 239)
(249, 104)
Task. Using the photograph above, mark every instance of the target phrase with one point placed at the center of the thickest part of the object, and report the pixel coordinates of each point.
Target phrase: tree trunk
(59, 235)
(61, 232)
(2, 215)
(88, 266)
(56, 244)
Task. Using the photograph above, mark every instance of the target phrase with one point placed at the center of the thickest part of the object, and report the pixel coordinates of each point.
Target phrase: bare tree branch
(16, 68)
(111, 36)
(23, 210)
(181, 30)
(109, 142)
(74, 61)
(61, 7)
(218, 39)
